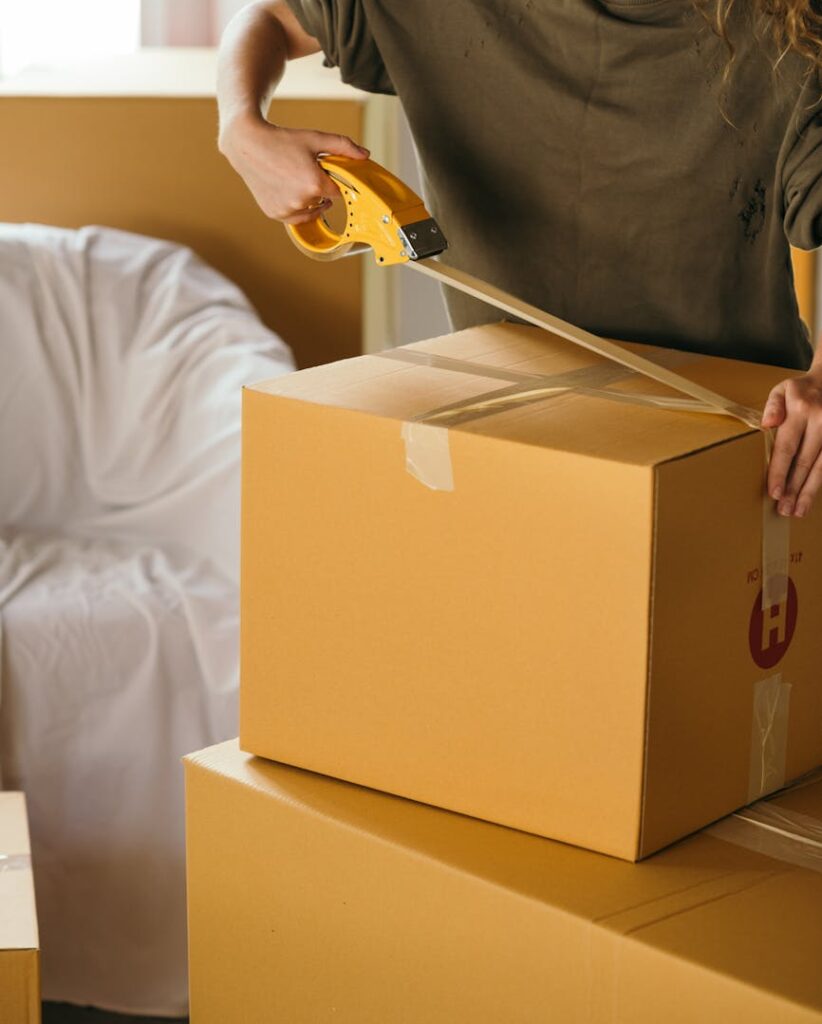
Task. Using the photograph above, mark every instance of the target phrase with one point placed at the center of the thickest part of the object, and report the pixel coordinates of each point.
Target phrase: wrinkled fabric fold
(122, 361)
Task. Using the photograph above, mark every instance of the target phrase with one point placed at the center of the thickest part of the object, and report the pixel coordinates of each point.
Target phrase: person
(638, 167)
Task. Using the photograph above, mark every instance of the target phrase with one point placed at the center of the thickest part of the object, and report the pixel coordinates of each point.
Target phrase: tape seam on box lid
(427, 454)
(426, 439)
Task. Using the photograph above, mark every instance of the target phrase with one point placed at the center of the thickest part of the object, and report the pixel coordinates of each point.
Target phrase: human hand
(794, 408)
(279, 166)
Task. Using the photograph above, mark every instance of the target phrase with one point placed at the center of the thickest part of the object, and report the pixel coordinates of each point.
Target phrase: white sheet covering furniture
(121, 365)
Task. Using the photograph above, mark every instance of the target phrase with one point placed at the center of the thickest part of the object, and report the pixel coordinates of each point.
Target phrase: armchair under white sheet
(121, 365)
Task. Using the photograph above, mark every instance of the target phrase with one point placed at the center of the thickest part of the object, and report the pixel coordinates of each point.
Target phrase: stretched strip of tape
(769, 736)
(427, 452)
(14, 862)
(603, 373)
(516, 396)
(776, 832)
(609, 350)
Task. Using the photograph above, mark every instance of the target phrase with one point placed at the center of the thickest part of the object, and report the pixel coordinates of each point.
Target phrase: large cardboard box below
(314, 900)
(561, 628)
(19, 944)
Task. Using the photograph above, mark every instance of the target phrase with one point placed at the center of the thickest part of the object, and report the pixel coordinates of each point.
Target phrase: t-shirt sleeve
(342, 30)
(802, 170)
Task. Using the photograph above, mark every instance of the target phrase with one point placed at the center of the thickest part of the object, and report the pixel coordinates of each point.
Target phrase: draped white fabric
(121, 366)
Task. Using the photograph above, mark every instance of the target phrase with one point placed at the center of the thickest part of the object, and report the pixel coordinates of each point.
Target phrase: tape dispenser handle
(377, 207)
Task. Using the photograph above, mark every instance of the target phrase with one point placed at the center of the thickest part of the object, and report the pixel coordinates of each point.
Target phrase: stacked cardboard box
(493, 574)
(314, 900)
(19, 946)
(567, 635)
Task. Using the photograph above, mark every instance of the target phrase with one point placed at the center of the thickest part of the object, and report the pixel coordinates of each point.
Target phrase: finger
(308, 201)
(304, 216)
(786, 444)
(312, 186)
(327, 187)
(803, 463)
(338, 145)
(284, 214)
(774, 413)
(809, 490)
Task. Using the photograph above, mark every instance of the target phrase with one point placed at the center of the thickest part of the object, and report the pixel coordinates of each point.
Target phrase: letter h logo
(771, 630)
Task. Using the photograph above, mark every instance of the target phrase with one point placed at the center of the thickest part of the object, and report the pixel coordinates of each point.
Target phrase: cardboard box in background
(314, 900)
(19, 944)
(134, 138)
(567, 636)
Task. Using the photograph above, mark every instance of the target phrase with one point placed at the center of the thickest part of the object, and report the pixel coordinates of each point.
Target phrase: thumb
(340, 145)
(775, 412)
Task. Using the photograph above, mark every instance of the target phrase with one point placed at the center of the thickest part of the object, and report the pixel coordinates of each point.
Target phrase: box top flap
(18, 921)
(714, 902)
(599, 424)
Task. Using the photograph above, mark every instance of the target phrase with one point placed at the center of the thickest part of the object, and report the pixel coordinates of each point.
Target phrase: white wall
(178, 22)
(226, 9)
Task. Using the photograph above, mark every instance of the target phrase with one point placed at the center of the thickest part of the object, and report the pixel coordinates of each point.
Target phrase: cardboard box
(313, 900)
(567, 636)
(19, 944)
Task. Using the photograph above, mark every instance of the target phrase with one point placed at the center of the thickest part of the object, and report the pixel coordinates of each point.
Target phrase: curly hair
(792, 26)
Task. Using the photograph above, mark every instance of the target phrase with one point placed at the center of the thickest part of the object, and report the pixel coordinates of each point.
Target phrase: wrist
(238, 125)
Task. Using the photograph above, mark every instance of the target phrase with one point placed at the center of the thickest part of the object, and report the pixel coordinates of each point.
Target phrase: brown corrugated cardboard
(567, 638)
(313, 900)
(19, 952)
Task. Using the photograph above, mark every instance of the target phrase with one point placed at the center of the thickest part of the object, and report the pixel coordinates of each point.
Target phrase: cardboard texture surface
(568, 641)
(19, 952)
(314, 900)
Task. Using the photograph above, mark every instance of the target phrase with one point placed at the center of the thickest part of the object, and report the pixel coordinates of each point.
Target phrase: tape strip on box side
(428, 455)
(776, 542)
(769, 736)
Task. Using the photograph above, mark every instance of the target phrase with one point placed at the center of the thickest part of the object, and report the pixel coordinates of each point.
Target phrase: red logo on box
(770, 632)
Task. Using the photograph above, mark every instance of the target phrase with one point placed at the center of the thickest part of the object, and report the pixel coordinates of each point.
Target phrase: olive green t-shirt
(590, 157)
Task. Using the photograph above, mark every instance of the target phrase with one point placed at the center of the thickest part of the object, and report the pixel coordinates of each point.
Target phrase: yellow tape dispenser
(385, 215)
(382, 213)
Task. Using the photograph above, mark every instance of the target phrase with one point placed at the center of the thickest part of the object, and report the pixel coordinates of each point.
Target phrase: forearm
(279, 165)
(253, 54)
